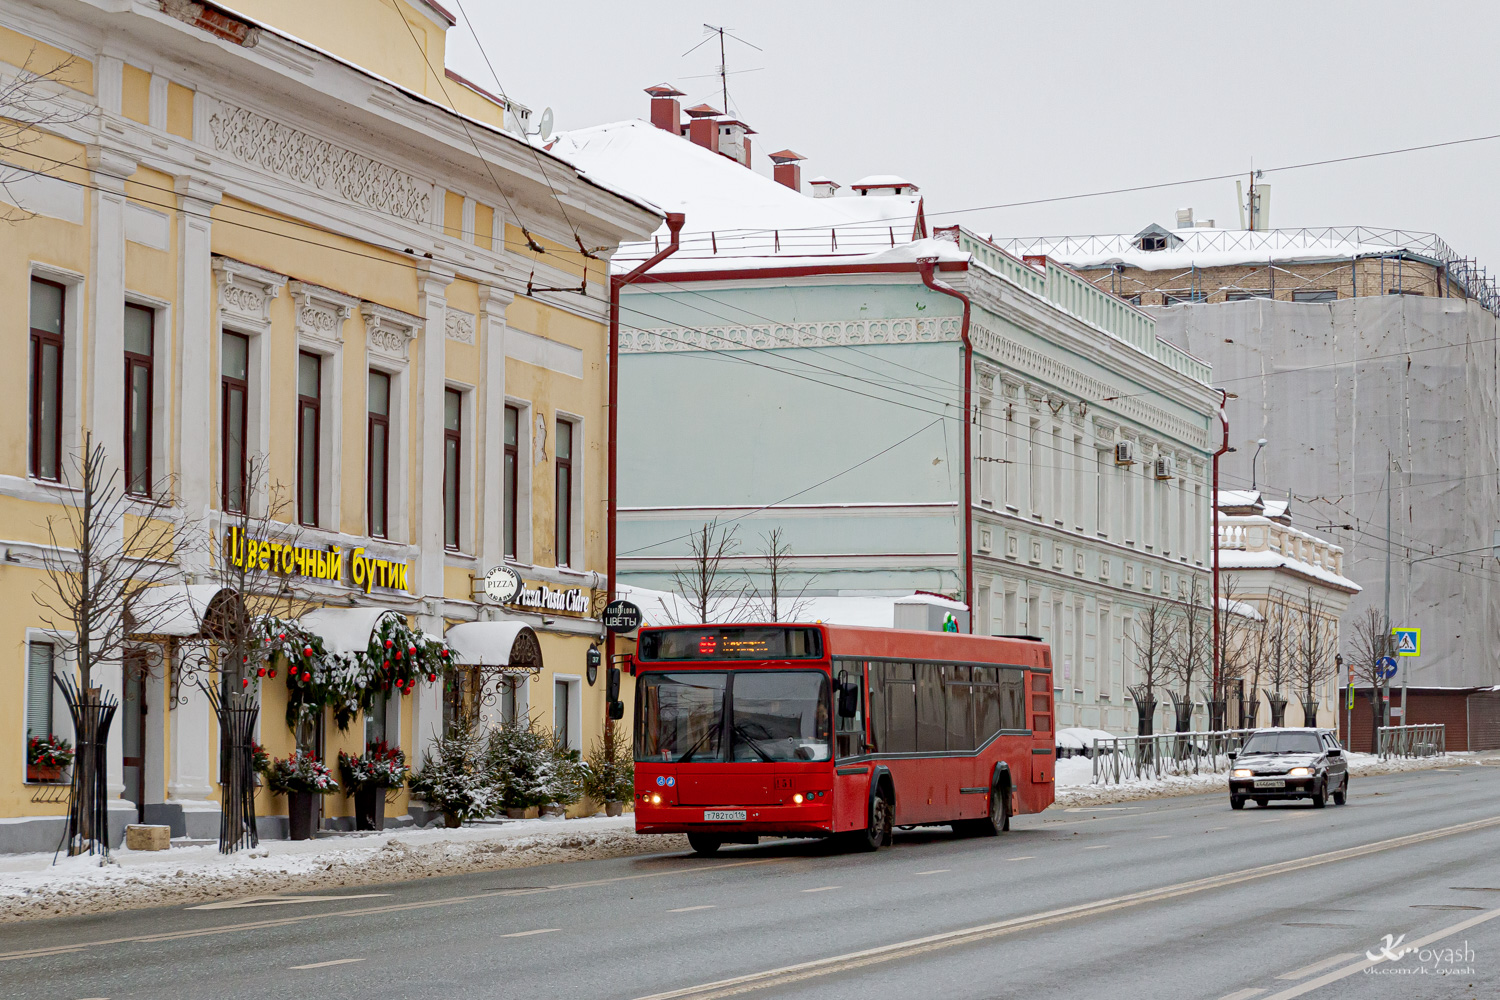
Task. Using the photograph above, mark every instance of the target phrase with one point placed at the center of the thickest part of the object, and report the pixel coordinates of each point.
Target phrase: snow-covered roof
(1241, 608)
(736, 218)
(882, 180)
(175, 609)
(345, 630)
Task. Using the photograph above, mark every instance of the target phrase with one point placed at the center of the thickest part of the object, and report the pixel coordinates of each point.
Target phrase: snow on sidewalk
(1075, 777)
(31, 887)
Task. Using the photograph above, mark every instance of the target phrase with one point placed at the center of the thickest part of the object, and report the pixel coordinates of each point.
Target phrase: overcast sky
(981, 103)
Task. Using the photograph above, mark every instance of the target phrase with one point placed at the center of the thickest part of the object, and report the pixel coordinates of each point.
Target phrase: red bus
(748, 731)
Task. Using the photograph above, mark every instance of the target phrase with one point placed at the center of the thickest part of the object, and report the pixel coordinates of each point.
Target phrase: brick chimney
(704, 127)
(666, 113)
(788, 170)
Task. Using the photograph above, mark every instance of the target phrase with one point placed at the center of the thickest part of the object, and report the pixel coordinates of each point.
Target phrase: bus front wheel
(701, 843)
(879, 830)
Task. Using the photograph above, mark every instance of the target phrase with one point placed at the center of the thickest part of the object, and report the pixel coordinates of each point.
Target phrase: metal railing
(1412, 741)
(1127, 758)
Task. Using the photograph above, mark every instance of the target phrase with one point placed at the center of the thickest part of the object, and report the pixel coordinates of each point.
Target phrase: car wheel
(704, 844)
(1236, 802)
(1320, 796)
(1343, 792)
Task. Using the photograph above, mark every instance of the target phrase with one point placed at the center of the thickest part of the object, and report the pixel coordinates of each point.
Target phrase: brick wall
(1451, 708)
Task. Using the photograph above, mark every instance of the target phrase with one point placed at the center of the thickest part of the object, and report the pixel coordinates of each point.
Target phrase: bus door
(851, 781)
(1044, 740)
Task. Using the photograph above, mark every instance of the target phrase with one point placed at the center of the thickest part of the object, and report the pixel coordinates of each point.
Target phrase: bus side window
(987, 714)
(898, 691)
(1012, 698)
(850, 730)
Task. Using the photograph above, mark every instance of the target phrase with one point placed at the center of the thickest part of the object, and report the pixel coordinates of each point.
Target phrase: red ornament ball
(389, 644)
(398, 654)
(431, 678)
(282, 637)
(443, 654)
(273, 671)
(306, 676)
(261, 672)
(306, 650)
(412, 650)
(399, 682)
(387, 666)
(244, 682)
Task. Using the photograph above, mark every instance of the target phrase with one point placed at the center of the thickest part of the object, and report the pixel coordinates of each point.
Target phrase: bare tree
(1151, 633)
(1238, 626)
(109, 554)
(1280, 649)
(29, 109)
(1315, 647)
(1369, 640)
(773, 604)
(1256, 651)
(705, 583)
(1189, 657)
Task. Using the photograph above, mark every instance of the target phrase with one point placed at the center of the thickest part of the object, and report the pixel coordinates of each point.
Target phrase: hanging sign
(622, 616)
(502, 584)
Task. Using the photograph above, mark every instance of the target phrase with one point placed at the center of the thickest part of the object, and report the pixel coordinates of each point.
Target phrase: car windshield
(681, 716)
(780, 715)
(1283, 743)
(775, 715)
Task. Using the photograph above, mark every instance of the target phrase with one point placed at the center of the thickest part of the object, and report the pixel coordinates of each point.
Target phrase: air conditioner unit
(1164, 468)
(1125, 453)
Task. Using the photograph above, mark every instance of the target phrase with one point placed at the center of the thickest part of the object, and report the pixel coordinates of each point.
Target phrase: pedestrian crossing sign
(1408, 641)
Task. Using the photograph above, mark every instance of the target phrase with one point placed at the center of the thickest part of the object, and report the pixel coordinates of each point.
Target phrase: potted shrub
(519, 755)
(454, 777)
(260, 763)
(367, 776)
(609, 771)
(565, 778)
(302, 778)
(46, 757)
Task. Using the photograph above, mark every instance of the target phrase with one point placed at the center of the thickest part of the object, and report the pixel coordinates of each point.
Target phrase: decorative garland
(398, 656)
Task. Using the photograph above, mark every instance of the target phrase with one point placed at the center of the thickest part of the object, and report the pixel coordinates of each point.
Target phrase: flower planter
(302, 815)
(452, 821)
(369, 808)
(43, 773)
(515, 813)
(613, 808)
(553, 811)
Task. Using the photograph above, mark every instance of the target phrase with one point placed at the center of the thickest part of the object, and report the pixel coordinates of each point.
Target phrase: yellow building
(330, 271)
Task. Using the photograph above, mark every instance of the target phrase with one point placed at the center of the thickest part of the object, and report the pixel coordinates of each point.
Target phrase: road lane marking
(787, 975)
(539, 930)
(1363, 964)
(324, 965)
(824, 888)
(690, 909)
(364, 911)
(273, 900)
(935, 871)
(1161, 836)
(1308, 970)
(1098, 847)
(1024, 857)
(1243, 994)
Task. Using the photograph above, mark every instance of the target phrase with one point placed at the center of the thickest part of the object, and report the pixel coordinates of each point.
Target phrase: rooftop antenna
(711, 30)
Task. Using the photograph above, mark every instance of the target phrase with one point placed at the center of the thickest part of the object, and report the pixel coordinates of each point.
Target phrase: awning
(176, 609)
(345, 630)
(506, 645)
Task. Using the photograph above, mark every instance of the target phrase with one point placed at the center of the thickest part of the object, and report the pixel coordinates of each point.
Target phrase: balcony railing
(1260, 535)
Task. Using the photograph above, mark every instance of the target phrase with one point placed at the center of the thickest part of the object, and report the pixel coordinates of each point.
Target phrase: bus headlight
(797, 798)
(656, 800)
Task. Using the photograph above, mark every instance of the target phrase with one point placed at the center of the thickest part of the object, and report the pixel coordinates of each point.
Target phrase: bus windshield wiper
(739, 731)
(701, 740)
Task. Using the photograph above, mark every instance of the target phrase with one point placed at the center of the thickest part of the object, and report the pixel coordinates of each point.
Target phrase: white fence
(1126, 758)
(1412, 741)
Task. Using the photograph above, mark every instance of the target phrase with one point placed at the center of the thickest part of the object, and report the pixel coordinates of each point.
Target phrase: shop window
(453, 402)
(375, 719)
(377, 479)
(233, 406)
(564, 527)
(309, 434)
(510, 487)
(39, 661)
(47, 300)
(562, 711)
(140, 330)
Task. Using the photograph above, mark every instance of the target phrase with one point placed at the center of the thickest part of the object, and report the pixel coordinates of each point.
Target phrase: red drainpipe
(925, 266)
(617, 282)
(1223, 447)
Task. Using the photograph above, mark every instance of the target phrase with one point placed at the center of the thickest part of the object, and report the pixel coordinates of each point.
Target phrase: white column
(427, 431)
(196, 384)
(491, 501)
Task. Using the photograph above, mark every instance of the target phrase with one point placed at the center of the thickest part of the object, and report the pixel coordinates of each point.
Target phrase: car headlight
(1300, 772)
(1242, 772)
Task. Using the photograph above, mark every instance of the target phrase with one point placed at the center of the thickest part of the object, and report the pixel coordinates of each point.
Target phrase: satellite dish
(544, 127)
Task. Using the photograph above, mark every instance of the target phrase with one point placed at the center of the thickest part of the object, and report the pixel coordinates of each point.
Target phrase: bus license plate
(1269, 783)
(724, 815)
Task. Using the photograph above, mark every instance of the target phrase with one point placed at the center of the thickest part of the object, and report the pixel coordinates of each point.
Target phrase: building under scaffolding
(1344, 346)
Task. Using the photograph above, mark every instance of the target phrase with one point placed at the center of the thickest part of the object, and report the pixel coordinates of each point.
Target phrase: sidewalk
(31, 887)
(1075, 776)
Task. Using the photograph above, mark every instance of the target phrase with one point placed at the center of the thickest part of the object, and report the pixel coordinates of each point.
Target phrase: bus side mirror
(848, 696)
(612, 693)
(617, 710)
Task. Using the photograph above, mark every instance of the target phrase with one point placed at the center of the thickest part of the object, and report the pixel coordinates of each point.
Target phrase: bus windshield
(774, 715)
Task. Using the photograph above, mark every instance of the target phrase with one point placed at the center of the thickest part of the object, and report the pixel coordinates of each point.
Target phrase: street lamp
(1259, 444)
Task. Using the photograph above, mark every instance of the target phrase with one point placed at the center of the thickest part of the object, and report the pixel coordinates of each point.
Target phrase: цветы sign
(320, 564)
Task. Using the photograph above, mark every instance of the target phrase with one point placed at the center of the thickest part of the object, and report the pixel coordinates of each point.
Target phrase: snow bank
(1075, 774)
(32, 888)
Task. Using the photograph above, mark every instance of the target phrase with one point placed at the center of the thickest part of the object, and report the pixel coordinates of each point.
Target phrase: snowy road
(1176, 898)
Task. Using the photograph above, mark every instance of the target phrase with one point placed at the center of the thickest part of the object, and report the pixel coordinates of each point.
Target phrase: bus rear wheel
(702, 843)
(997, 819)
